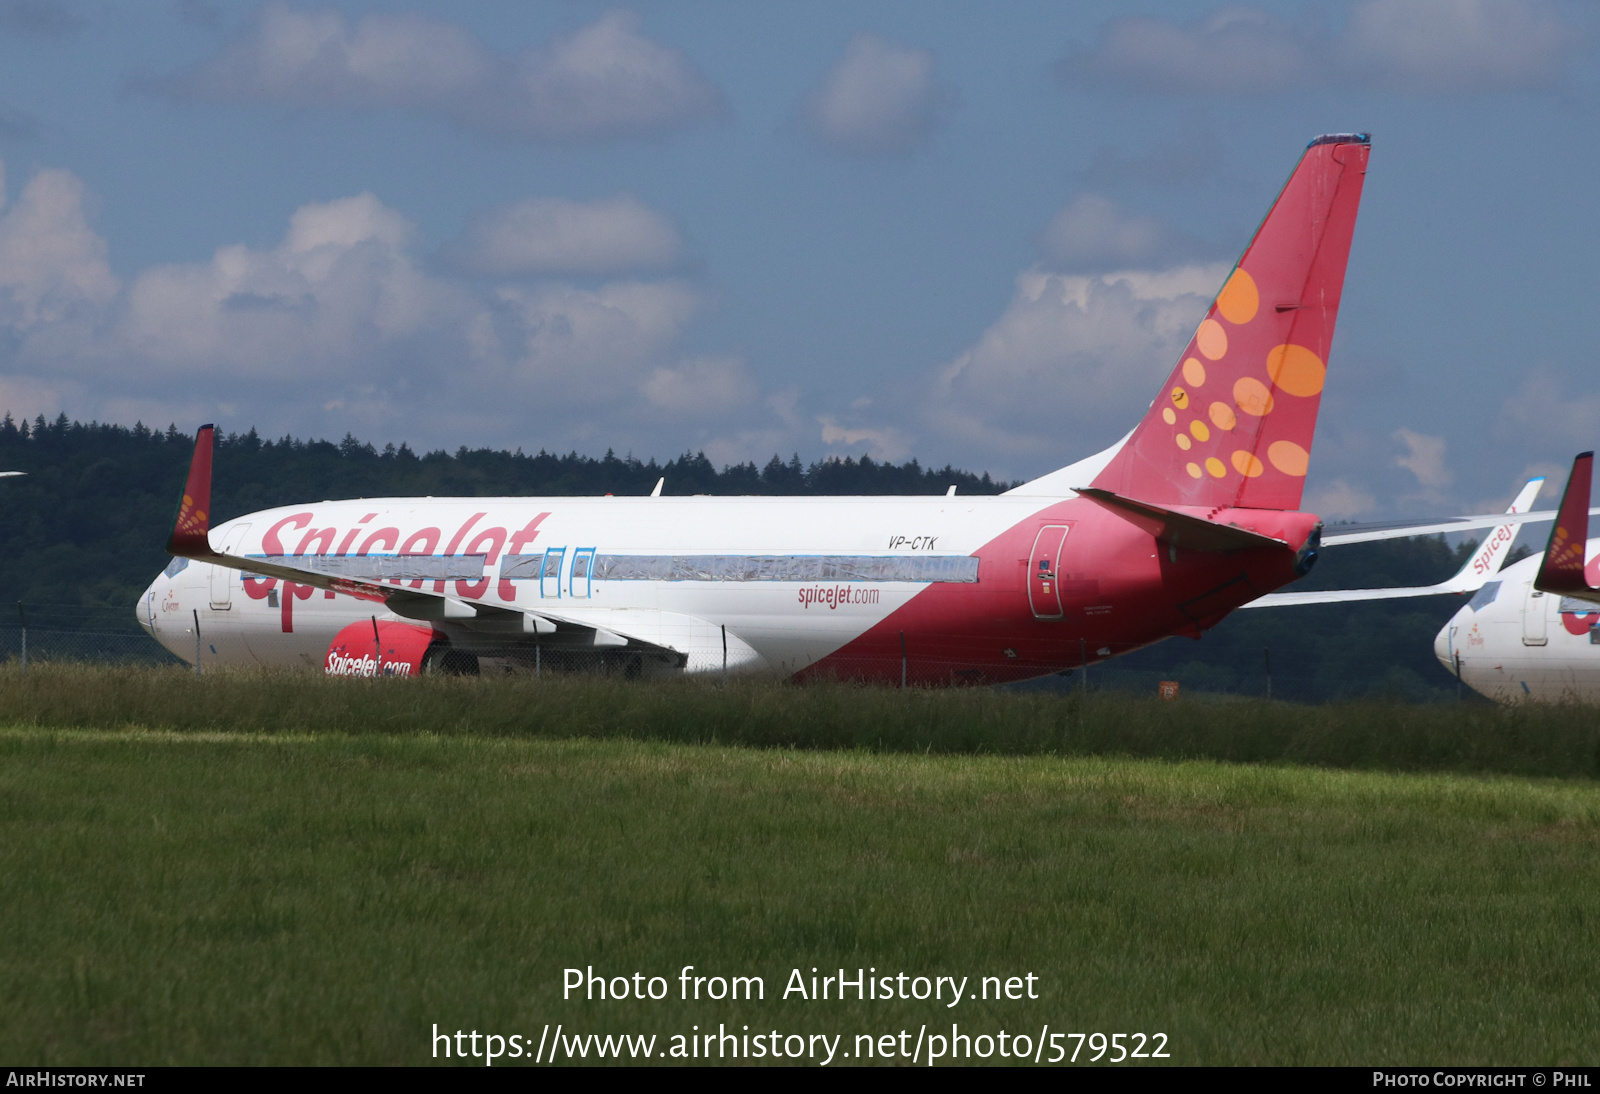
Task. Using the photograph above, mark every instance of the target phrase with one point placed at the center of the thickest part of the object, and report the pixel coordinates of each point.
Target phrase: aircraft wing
(1562, 569)
(190, 538)
(1484, 563)
(1366, 533)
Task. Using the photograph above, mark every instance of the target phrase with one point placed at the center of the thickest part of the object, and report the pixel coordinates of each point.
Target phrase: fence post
(22, 615)
(902, 660)
(538, 671)
(196, 612)
(377, 647)
(1266, 658)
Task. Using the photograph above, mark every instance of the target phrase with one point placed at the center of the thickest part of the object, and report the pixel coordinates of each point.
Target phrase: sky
(976, 235)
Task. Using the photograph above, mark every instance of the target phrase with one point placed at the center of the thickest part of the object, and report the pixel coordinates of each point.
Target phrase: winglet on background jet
(1562, 568)
(1485, 562)
(190, 529)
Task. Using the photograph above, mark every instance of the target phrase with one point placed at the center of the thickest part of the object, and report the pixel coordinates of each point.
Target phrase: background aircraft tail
(1562, 569)
(1234, 424)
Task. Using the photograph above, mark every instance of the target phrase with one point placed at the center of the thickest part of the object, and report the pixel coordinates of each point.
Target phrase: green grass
(321, 876)
(1531, 739)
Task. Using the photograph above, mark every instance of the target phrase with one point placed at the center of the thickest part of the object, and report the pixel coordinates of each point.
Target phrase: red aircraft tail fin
(1233, 426)
(1562, 568)
(190, 529)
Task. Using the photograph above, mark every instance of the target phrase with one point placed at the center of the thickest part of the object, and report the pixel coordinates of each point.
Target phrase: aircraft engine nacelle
(373, 649)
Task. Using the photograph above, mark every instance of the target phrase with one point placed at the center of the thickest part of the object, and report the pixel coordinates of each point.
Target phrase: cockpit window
(1485, 596)
(176, 567)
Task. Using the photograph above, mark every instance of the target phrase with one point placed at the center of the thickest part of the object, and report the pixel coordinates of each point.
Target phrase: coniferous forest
(82, 534)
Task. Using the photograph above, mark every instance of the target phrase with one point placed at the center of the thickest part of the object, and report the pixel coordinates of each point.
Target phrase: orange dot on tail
(1222, 416)
(1239, 300)
(1252, 396)
(1193, 469)
(1183, 441)
(1194, 372)
(1168, 416)
(1288, 457)
(1296, 370)
(1180, 398)
(1212, 339)
(1246, 464)
(1200, 431)
(1214, 466)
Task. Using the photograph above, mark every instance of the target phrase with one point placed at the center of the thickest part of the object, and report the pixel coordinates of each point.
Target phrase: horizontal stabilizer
(1180, 529)
(1562, 570)
(1341, 534)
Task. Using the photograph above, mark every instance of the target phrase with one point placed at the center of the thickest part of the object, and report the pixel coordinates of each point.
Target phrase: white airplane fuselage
(922, 588)
(1514, 643)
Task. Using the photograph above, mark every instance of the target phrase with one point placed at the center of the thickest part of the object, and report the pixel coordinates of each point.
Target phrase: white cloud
(702, 387)
(1424, 458)
(340, 323)
(1543, 410)
(560, 236)
(53, 266)
(1459, 45)
(1069, 354)
(1090, 233)
(882, 442)
(1232, 51)
(604, 81)
(880, 98)
(1419, 46)
(1338, 500)
(590, 346)
(341, 289)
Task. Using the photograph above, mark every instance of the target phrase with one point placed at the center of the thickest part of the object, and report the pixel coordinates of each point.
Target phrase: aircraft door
(1534, 618)
(582, 562)
(550, 576)
(1044, 567)
(222, 578)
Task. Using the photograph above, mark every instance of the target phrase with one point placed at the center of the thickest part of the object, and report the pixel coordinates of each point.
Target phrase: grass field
(260, 869)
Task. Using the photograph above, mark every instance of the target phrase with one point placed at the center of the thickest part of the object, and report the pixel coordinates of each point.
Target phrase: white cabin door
(550, 576)
(222, 578)
(582, 563)
(1535, 618)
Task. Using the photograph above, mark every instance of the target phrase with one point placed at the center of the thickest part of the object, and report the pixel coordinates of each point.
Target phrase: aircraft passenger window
(580, 565)
(1485, 596)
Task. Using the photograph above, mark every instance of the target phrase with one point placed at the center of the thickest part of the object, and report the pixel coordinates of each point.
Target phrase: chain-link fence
(39, 633)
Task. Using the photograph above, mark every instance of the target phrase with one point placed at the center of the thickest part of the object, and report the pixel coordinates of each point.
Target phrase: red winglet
(1562, 568)
(189, 537)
